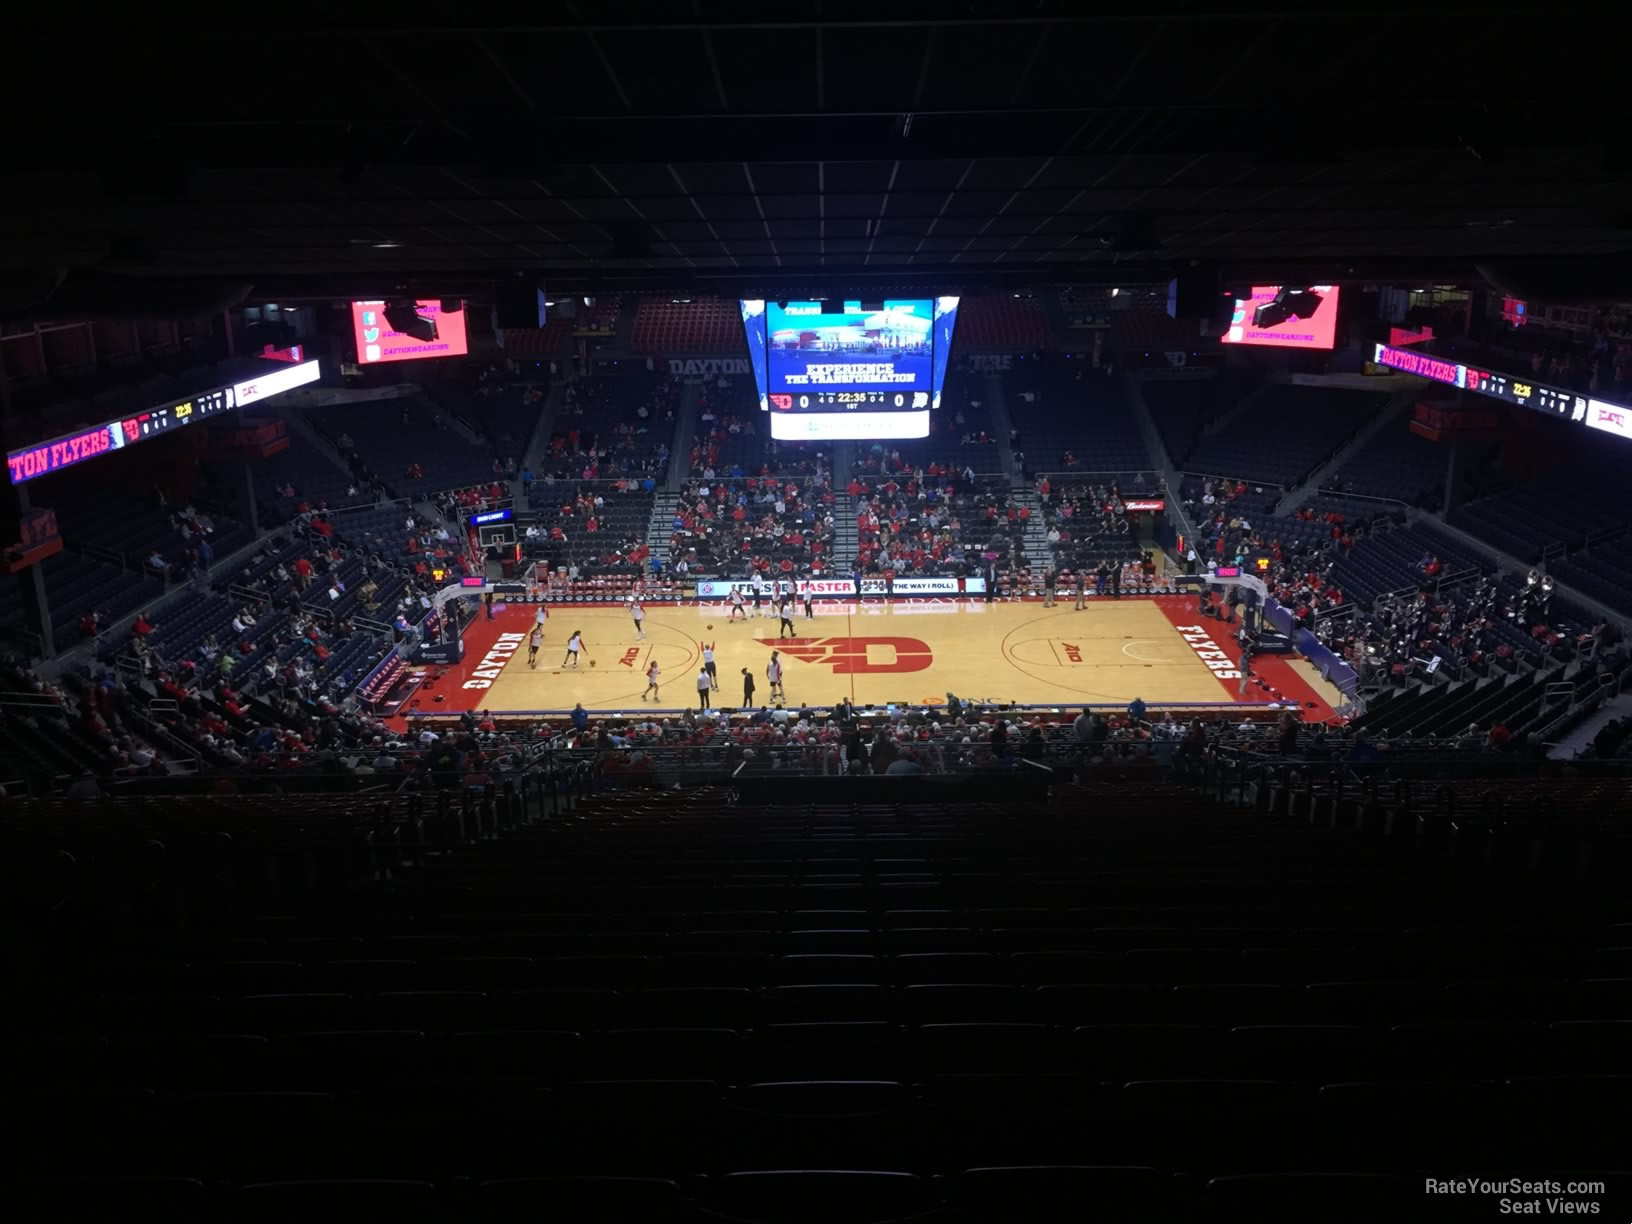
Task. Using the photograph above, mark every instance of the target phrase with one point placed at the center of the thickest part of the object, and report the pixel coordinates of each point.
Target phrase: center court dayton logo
(855, 656)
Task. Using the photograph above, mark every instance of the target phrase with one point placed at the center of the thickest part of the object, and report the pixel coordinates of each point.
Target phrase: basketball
(592, 662)
(711, 626)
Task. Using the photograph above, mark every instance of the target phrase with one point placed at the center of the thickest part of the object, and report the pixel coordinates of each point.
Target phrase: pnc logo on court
(855, 656)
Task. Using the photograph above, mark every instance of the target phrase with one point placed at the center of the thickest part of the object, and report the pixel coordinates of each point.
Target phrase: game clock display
(878, 401)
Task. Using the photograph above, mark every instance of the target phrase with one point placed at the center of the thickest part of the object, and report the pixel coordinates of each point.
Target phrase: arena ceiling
(727, 144)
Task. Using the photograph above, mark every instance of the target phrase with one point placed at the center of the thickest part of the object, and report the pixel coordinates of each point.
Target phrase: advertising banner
(721, 588)
(841, 587)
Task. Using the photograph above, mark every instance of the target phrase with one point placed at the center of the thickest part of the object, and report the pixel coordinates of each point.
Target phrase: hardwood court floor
(909, 653)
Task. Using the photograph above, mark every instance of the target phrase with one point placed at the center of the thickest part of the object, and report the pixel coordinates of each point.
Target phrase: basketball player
(535, 639)
(542, 615)
(575, 643)
(708, 664)
(773, 673)
(639, 614)
(736, 604)
(652, 673)
(786, 609)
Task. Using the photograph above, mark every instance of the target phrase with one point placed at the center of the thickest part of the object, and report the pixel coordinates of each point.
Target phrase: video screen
(847, 370)
(1286, 316)
(753, 325)
(815, 348)
(946, 318)
(378, 342)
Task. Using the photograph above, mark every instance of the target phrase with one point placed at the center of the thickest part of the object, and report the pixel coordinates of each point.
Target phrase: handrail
(381, 504)
(249, 593)
(1074, 473)
(1601, 536)
(1268, 484)
(1391, 501)
(860, 473)
(1456, 576)
(1440, 583)
(1580, 694)
(30, 701)
(97, 552)
(33, 641)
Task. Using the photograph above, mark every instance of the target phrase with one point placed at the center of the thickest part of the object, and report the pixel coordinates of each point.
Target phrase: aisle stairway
(660, 527)
(1387, 417)
(845, 541)
(1038, 553)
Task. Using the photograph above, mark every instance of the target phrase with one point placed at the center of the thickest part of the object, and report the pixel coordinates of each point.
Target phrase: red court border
(1273, 677)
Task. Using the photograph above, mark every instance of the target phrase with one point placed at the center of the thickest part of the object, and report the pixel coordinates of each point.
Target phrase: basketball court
(906, 653)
